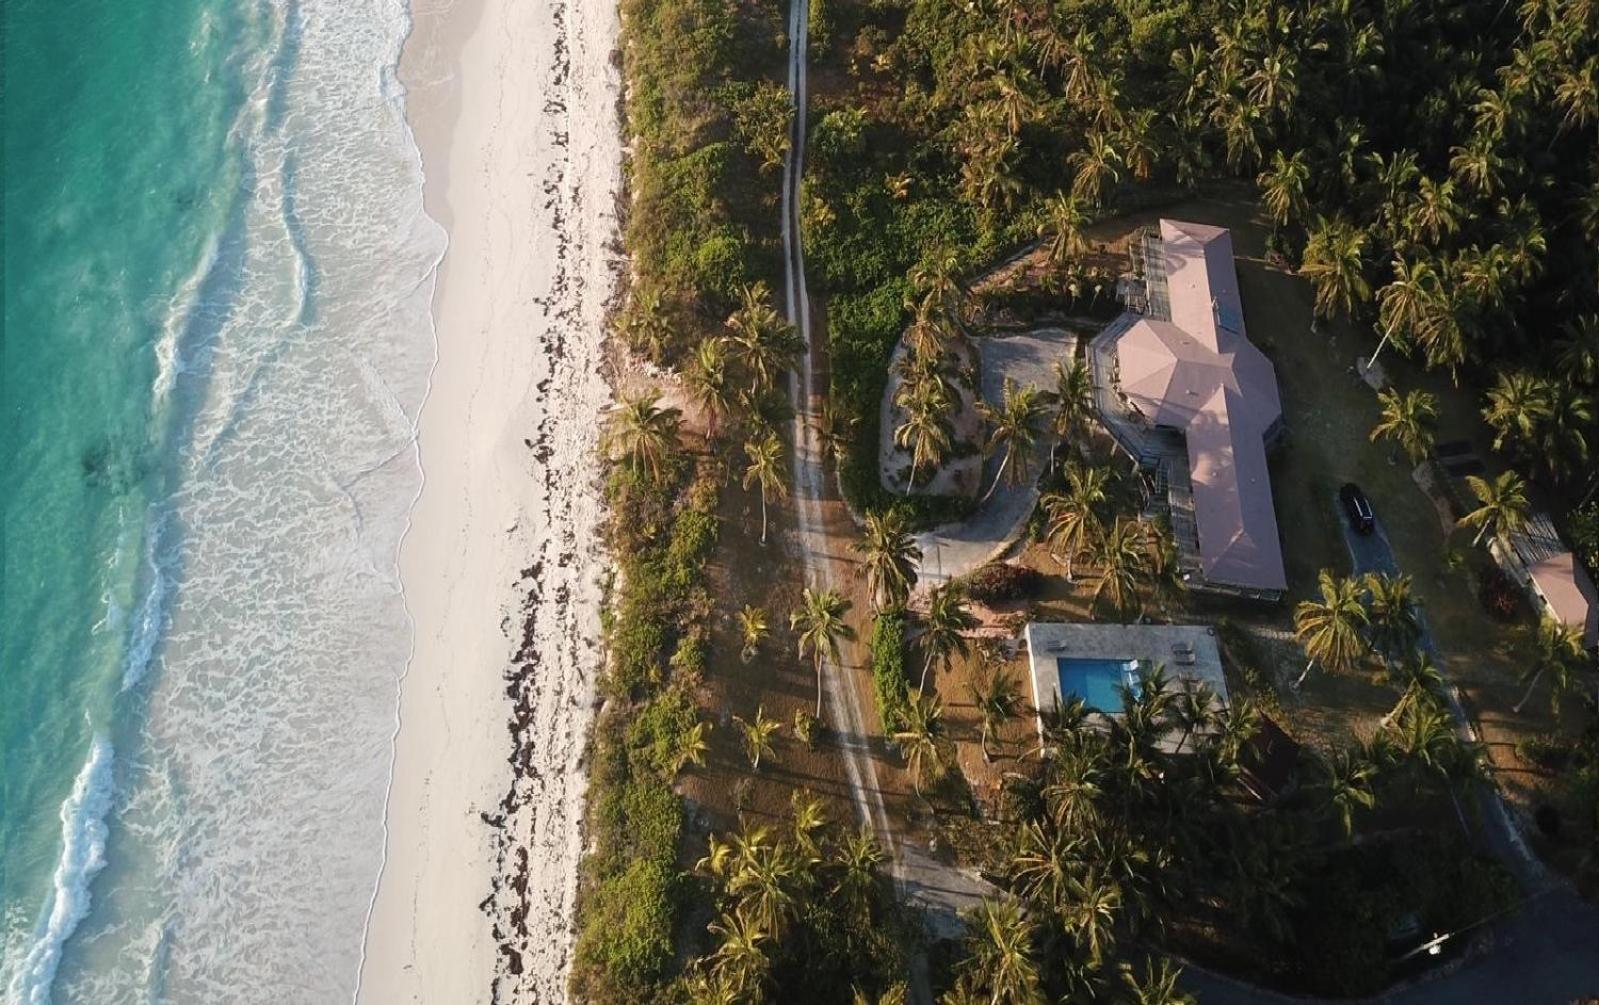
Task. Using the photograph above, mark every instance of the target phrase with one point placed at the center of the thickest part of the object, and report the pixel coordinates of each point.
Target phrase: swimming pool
(1097, 681)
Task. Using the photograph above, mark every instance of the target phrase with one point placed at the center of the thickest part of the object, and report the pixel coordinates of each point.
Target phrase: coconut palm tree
(1043, 865)
(766, 469)
(935, 282)
(1502, 509)
(1334, 262)
(1157, 985)
(1000, 960)
(1282, 186)
(834, 431)
(1095, 167)
(740, 961)
(859, 860)
(643, 432)
(949, 616)
(752, 629)
(998, 701)
(693, 748)
(1563, 440)
(1407, 419)
(1330, 628)
(820, 622)
(1064, 226)
(1073, 404)
(1346, 785)
(1407, 306)
(891, 559)
(926, 432)
(1519, 405)
(758, 735)
(1557, 653)
(921, 726)
(1417, 679)
(1196, 709)
(709, 384)
(1122, 555)
(1013, 427)
(1093, 900)
(1577, 352)
(1073, 514)
(766, 344)
(1395, 623)
(765, 875)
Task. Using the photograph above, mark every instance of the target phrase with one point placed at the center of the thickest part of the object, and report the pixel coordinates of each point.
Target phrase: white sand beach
(514, 106)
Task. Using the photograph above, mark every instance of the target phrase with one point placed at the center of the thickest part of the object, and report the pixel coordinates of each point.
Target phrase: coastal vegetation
(1433, 176)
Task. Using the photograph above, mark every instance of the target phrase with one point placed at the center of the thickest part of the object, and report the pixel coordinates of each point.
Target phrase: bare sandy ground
(514, 106)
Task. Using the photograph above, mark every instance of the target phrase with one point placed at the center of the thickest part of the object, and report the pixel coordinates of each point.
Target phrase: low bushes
(890, 683)
(998, 582)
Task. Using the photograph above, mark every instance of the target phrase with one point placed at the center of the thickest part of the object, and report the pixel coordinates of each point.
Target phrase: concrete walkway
(956, 549)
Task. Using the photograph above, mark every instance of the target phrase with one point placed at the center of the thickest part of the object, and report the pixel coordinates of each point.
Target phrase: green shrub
(890, 683)
(997, 582)
(626, 942)
(656, 734)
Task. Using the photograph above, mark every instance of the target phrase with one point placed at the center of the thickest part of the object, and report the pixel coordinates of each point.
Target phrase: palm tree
(1073, 517)
(891, 561)
(1434, 210)
(1408, 420)
(936, 281)
(766, 343)
(1418, 681)
(858, 859)
(820, 622)
(1093, 900)
(1407, 306)
(1330, 628)
(834, 431)
(1346, 784)
(1563, 441)
(1064, 225)
(758, 737)
(1095, 168)
(997, 700)
(807, 819)
(1577, 352)
(643, 432)
(693, 748)
(1156, 986)
(926, 433)
(1013, 426)
(1282, 186)
(709, 384)
(763, 880)
(1122, 555)
(739, 962)
(1519, 405)
(1334, 262)
(1195, 710)
(1000, 960)
(921, 725)
(1073, 402)
(948, 616)
(1043, 865)
(765, 469)
(1503, 507)
(752, 629)
(1557, 653)
(1391, 609)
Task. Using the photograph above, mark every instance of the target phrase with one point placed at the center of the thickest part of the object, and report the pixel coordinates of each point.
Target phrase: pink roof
(1200, 374)
(1569, 592)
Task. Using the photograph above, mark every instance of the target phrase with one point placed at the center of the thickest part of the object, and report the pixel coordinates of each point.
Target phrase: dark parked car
(1358, 508)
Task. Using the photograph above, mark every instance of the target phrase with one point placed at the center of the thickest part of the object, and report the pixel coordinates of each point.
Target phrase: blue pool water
(1097, 681)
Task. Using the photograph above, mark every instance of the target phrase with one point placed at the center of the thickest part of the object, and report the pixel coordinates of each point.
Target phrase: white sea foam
(83, 836)
(265, 647)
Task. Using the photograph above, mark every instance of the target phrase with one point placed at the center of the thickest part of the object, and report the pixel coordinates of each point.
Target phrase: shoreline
(514, 111)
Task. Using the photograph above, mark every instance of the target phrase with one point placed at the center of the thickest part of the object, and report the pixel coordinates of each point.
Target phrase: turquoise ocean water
(216, 344)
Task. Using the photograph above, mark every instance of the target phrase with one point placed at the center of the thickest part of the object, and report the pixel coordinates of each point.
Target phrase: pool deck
(1186, 651)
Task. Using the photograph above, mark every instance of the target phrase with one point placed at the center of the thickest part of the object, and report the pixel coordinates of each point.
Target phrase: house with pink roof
(1187, 393)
